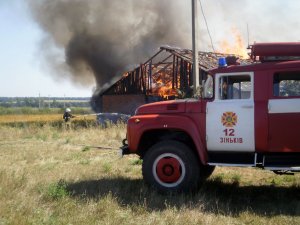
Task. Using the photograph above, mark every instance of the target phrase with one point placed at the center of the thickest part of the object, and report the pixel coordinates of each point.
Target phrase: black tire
(206, 171)
(171, 167)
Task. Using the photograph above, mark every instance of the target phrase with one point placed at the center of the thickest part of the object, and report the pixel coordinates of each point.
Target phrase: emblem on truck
(229, 119)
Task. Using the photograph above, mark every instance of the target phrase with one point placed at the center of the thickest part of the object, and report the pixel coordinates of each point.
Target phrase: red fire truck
(248, 116)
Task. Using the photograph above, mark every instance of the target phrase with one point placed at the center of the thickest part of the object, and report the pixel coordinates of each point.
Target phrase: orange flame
(236, 46)
(166, 91)
(164, 88)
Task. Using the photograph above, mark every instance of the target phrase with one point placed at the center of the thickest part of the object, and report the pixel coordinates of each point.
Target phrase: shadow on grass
(213, 197)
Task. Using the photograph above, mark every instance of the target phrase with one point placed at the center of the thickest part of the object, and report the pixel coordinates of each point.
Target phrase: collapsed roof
(167, 72)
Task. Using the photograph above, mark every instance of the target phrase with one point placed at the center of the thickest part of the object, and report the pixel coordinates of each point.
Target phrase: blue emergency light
(222, 62)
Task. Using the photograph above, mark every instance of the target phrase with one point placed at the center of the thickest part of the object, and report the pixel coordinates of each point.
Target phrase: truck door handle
(247, 106)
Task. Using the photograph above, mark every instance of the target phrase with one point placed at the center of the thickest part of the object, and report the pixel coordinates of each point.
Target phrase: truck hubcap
(168, 170)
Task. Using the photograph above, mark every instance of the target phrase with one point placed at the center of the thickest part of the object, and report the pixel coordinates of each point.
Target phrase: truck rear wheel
(171, 166)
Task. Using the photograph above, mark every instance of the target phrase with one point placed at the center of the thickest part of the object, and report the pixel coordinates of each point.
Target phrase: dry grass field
(29, 118)
(49, 175)
(37, 118)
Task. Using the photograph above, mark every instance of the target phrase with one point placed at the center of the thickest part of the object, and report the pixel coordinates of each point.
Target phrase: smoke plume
(95, 40)
(100, 38)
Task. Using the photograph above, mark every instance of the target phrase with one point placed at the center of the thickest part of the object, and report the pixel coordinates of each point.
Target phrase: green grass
(49, 179)
(86, 148)
(57, 190)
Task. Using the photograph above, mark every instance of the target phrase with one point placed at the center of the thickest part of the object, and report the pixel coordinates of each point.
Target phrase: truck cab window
(286, 84)
(235, 87)
(208, 87)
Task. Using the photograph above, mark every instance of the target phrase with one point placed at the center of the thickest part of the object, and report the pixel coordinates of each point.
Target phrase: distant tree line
(44, 102)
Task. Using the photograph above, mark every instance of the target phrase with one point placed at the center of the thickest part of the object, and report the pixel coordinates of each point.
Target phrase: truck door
(284, 113)
(230, 117)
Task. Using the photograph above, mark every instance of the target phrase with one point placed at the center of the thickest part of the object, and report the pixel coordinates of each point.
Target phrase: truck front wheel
(171, 166)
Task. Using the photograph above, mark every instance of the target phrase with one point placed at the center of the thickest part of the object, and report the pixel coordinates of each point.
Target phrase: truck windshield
(208, 90)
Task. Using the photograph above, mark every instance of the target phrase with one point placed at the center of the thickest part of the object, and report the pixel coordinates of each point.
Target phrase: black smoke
(96, 40)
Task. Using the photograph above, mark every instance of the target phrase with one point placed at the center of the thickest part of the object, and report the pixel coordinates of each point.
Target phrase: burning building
(168, 74)
(93, 42)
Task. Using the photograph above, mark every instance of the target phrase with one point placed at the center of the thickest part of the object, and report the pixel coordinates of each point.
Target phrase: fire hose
(102, 114)
(97, 147)
(93, 114)
(49, 142)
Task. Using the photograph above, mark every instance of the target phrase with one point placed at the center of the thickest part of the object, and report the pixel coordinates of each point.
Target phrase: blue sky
(21, 72)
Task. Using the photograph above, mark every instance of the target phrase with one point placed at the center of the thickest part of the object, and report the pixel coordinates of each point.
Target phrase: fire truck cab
(248, 115)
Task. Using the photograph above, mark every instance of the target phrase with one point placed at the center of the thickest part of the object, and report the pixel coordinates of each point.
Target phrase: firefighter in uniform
(67, 118)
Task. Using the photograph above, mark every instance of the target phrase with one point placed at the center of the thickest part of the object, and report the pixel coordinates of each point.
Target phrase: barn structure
(168, 74)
